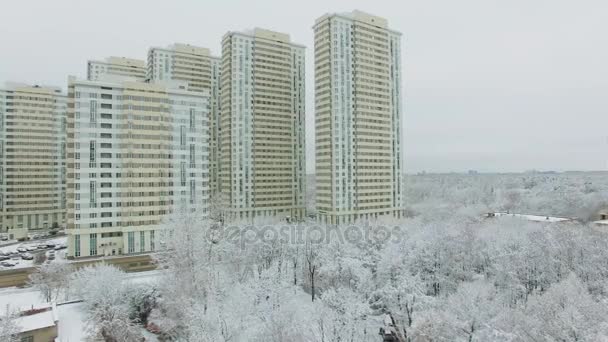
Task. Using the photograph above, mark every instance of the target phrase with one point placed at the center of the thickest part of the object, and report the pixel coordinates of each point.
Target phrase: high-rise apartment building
(117, 66)
(136, 151)
(359, 160)
(201, 72)
(262, 125)
(32, 158)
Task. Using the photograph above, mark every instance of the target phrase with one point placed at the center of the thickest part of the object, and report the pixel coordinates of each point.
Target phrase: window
(106, 106)
(192, 158)
(131, 242)
(142, 241)
(93, 116)
(183, 173)
(92, 153)
(77, 245)
(182, 136)
(93, 243)
(192, 120)
(93, 193)
(192, 191)
(152, 243)
(27, 339)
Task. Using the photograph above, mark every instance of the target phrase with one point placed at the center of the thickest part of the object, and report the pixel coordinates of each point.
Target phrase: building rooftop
(123, 61)
(266, 34)
(186, 48)
(42, 317)
(535, 218)
(361, 16)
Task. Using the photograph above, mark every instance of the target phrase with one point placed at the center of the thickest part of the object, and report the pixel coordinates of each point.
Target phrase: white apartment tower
(359, 161)
(201, 72)
(136, 151)
(117, 66)
(262, 125)
(32, 158)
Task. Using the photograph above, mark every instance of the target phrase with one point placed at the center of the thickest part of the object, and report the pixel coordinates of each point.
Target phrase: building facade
(136, 152)
(32, 158)
(117, 66)
(201, 72)
(359, 161)
(262, 162)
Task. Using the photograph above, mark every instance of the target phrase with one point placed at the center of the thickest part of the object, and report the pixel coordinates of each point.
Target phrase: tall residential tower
(32, 158)
(136, 152)
(262, 125)
(201, 72)
(359, 160)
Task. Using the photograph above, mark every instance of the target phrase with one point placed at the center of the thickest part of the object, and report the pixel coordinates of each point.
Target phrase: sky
(493, 86)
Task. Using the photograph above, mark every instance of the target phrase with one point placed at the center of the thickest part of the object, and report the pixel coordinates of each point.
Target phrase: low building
(38, 324)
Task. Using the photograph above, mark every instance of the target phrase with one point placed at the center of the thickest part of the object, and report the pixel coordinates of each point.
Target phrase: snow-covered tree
(106, 298)
(9, 330)
(52, 280)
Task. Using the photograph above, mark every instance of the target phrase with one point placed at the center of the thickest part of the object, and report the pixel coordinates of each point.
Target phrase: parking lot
(32, 253)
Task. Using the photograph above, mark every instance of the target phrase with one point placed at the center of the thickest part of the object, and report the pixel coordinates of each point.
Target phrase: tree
(106, 298)
(9, 330)
(52, 280)
(311, 254)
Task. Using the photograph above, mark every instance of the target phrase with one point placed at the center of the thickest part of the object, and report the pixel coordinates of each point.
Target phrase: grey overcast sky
(490, 85)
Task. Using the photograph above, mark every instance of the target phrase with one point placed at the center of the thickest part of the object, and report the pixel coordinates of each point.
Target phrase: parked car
(21, 249)
(50, 245)
(41, 246)
(8, 263)
(58, 247)
(30, 248)
(4, 238)
(27, 256)
(51, 257)
(4, 257)
(16, 256)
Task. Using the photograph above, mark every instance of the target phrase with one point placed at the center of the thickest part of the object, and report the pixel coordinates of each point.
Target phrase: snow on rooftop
(535, 218)
(37, 321)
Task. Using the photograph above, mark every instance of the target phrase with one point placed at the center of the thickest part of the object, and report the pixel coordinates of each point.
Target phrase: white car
(31, 248)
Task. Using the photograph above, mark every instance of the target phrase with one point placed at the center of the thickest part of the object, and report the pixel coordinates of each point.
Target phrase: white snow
(15, 299)
(71, 323)
(536, 218)
(26, 298)
(36, 321)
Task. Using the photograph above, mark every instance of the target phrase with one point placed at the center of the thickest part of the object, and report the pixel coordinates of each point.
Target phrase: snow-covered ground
(71, 324)
(17, 298)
